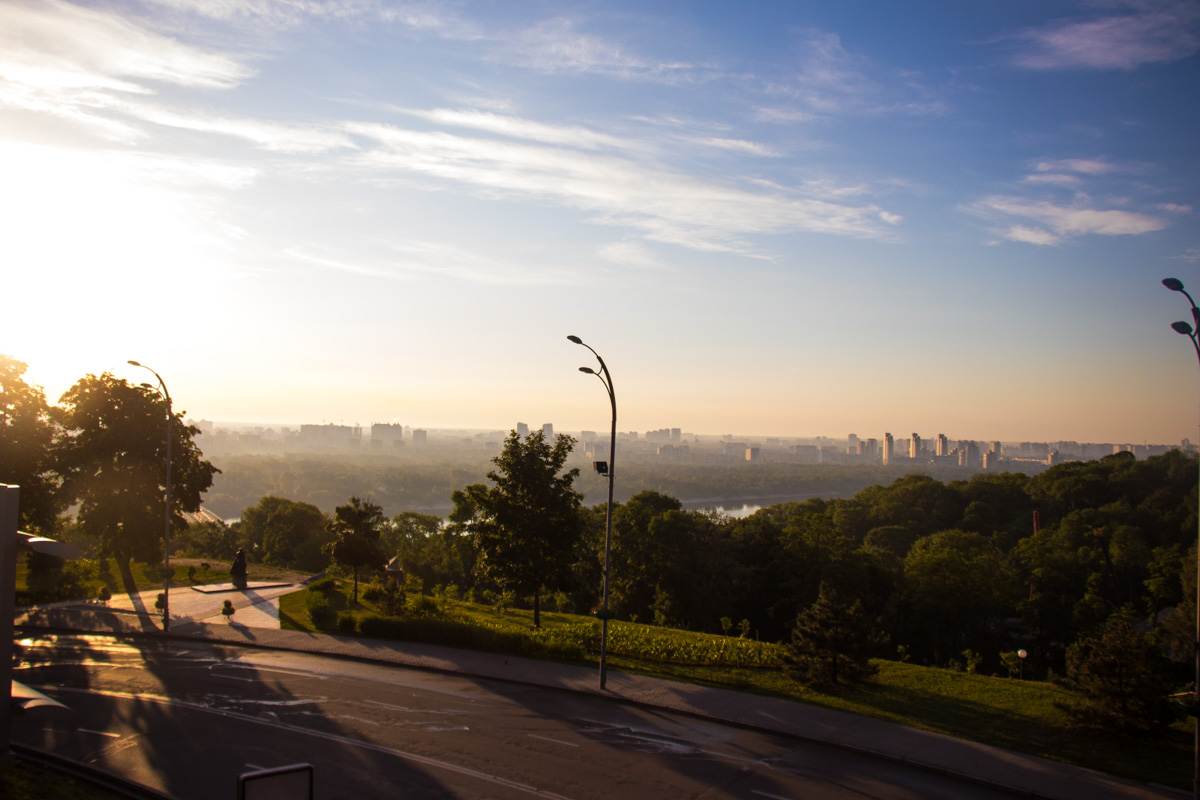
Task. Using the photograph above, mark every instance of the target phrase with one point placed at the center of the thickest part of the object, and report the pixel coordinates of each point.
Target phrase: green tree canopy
(113, 459)
(27, 436)
(285, 533)
(832, 641)
(526, 525)
(356, 528)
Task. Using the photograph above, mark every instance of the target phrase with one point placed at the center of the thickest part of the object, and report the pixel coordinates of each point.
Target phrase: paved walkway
(196, 615)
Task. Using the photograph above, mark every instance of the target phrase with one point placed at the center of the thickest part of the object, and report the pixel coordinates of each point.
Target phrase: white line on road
(425, 760)
(548, 739)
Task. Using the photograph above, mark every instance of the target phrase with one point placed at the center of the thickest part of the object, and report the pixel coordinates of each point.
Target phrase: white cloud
(1150, 31)
(1053, 223)
(1080, 166)
(55, 45)
(517, 128)
(309, 139)
(665, 205)
(555, 45)
(79, 64)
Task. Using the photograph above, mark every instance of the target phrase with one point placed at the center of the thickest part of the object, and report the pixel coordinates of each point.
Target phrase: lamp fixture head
(1182, 327)
(1174, 284)
(575, 339)
(588, 370)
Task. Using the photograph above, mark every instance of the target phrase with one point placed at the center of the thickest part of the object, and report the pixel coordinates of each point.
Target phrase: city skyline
(788, 218)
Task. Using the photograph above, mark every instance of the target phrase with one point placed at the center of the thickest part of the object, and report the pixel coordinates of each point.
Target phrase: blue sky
(777, 218)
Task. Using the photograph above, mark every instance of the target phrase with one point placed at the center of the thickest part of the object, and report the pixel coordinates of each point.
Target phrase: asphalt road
(188, 718)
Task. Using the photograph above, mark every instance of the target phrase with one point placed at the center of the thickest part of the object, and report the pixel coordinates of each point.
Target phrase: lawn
(1014, 714)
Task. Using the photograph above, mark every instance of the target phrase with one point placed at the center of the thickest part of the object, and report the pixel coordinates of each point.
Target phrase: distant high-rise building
(995, 448)
(522, 429)
(385, 435)
(852, 444)
(753, 454)
(889, 447)
(914, 446)
(420, 438)
(943, 446)
(968, 454)
(548, 431)
(676, 435)
(872, 448)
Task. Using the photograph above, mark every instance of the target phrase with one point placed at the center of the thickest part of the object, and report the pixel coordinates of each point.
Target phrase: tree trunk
(126, 575)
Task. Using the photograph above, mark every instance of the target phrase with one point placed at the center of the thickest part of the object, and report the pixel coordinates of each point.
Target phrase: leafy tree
(957, 583)
(636, 559)
(113, 459)
(356, 528)
(437, 555)
(527, 524)
(27, 436)
(832, 641)
(206, 540)
(285, 533)
(1123, 678)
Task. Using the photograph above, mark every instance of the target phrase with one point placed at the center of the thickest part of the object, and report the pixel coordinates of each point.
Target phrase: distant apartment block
(330, 437)
(522, 430)
(420, 437)
(386, 435)
(548, 431)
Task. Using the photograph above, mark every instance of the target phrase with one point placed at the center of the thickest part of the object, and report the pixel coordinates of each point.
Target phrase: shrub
(327, 585)
(319, 610)
(1123, 678)
(421, 605)
(373, 592)
(832, 640)
(346, 623)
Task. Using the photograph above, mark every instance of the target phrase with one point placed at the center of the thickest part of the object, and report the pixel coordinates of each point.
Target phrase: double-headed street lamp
(1192, 331)
(166, 611)
(604, 614)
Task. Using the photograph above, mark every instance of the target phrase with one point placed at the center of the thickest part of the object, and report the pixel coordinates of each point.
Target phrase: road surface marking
(548, 739)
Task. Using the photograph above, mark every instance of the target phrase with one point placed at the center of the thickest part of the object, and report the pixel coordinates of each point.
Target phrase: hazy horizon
(784, 216)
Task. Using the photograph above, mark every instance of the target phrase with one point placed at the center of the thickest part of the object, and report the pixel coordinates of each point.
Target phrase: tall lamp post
(604, 614)
(1192, 331)
(166, 612)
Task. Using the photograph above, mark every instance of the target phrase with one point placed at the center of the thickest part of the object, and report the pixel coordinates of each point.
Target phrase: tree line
(959, 572)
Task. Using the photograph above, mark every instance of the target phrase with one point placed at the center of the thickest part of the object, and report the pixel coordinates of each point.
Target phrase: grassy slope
(1018, 715)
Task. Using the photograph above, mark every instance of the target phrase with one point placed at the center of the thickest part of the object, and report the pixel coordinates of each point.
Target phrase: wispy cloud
(825, 79)
(1053, 223)
(1138, 32)
(556, 45)
(51, 43)
(1057, 206)
(77, 64)
(665, 205)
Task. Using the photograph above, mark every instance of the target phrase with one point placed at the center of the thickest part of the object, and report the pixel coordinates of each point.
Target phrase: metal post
(9, 504)
(167, 514)
(605, 615)
(1192, 331)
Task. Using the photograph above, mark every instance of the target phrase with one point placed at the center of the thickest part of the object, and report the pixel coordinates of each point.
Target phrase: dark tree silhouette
(831, 642)
(356, 527)
(527, 524)
(113, 458)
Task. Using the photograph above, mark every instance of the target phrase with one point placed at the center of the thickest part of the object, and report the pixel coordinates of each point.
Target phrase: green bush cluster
(681, 647)
(320, 610)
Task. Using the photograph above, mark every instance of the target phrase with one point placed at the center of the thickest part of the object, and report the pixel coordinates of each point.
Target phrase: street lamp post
(604, 614)
(166, 612)
(1192, 331)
